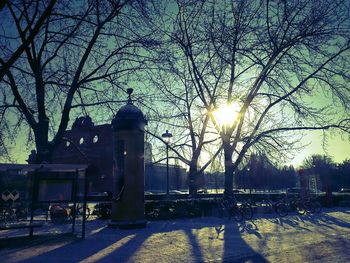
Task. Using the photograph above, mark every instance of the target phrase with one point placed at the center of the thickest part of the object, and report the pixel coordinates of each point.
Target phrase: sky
(337, 148)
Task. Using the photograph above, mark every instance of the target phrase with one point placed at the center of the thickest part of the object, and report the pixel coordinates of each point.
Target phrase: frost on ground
(322, 237)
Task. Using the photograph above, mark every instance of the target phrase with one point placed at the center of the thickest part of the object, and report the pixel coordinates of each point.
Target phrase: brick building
(91, 144)
(86, 143)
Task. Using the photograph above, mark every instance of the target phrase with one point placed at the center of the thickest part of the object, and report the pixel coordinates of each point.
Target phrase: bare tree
(270, 58)
(28, 34)
(81, 49)
(292, 64)
(177, 110)
(174, 103)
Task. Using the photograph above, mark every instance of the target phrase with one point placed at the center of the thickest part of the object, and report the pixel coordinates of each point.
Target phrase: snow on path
(322, 237)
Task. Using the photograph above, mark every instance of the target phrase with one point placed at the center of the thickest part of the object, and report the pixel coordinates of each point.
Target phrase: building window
(81, 141)
(95, 139)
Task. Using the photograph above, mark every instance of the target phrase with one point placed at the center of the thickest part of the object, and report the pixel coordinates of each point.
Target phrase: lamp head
(166, 136)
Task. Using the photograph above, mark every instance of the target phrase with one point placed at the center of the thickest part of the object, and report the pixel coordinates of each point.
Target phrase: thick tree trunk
(44, 153)
(44, 148)
(229, 169)
(192, 177)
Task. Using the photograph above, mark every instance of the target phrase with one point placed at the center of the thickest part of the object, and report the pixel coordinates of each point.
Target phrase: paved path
(310, 238)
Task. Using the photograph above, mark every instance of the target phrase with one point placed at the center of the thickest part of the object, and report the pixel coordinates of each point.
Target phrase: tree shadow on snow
(320, 219)
(233, 241)
(105, 244)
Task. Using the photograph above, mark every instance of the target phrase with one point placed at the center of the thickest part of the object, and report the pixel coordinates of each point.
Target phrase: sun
(226, 114)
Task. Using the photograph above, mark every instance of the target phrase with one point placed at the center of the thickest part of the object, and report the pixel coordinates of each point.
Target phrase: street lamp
(167, 135)
(250, 181)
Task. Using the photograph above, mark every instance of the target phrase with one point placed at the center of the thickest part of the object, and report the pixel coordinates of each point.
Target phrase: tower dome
(129, 115)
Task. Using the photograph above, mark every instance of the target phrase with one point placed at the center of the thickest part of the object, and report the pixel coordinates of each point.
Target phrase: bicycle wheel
(309, 206)
(104, 210)
(9, 216)
(236, 213)
(281, 210)
(300, 207)
(247, 211)
(58, 214)
(22, 213)
(87, 213)
(80, 211)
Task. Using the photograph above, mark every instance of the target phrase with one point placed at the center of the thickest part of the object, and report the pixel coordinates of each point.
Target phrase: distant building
(309, 181)
(155, 177)
(91, 144)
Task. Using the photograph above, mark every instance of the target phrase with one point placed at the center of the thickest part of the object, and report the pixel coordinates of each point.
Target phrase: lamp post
(250, 181)
(167, 135)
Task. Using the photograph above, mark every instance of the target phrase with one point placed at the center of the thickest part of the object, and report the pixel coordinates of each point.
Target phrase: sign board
(55, 190)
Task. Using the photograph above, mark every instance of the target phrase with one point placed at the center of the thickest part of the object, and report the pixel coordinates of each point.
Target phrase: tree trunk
(44, 153)
(44, 148)
(229, 168)
(192, 177)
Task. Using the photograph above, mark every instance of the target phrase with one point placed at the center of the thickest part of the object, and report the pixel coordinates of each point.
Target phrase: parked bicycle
(103, 210)
(238, 212)
(79, 211)
(304, 205)
(8, 215)
(278, 207)
(247, 209)
(296, 204)
(230, 209)
(312, 205)
(13, 212)
(60, 213)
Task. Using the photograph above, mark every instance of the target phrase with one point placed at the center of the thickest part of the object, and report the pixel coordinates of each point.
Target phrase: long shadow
(292, 222)
(319, 219)
(110, 244)
(99, 246)
(70, 249)
(233, 241)
(250, 228)
(126, 252)
(117, 250)
(21, 242)
(113, 245)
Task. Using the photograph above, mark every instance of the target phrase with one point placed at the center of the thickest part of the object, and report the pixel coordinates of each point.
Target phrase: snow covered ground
(322, 237)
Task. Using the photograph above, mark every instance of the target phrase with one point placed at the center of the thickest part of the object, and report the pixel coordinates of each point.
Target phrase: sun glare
(225, 115)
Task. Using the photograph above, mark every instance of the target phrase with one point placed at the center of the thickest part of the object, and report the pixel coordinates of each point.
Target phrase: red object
(58, 212)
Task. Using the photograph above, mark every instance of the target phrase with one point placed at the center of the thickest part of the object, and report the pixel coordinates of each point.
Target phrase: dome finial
(129, 91)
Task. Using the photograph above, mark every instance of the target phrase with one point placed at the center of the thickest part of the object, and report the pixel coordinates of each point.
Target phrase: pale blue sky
(337, 148)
